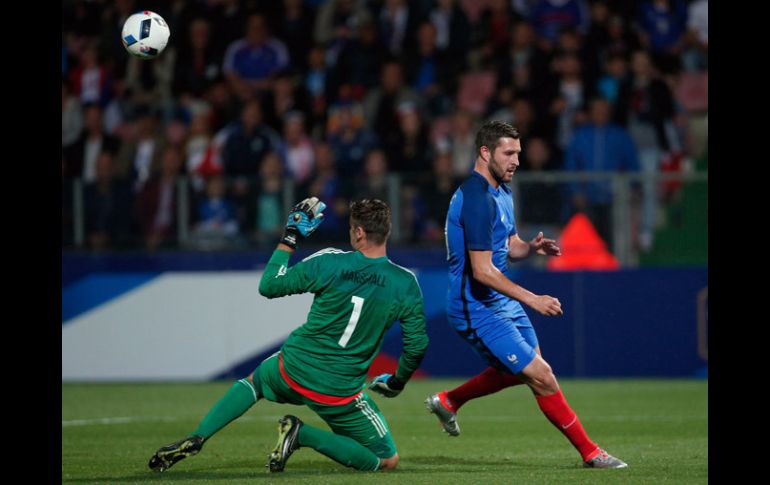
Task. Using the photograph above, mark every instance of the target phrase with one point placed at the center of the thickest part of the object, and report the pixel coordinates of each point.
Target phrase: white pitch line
(138, 419)
(88, 422)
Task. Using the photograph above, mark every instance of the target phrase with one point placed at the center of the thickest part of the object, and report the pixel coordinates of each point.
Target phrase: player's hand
(544, 246)
(303, 220)
(387, 385)
(547, 305)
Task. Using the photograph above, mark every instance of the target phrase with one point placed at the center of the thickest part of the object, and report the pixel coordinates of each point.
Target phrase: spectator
(599, 146)
(296, 148)
(71, 116)
(338, 21)
(525, 66)
(348, 138)
(107, 205)
(227, 23)
(286, 95)
(541, 201)
(620, 40)
(318, 83)
(571, 42)
(140, 157)
(461, 143)
(493, 31)
(616, 71)
(268, 209)
(248, 143)
(217, 225)
(549, 17)
(452, 29)
(568, 98)
(435, 197)
(360, 62)
(411, 153)
(295, 28)
(662, 24)
(90, 79)
(696, 42)
(381, 104)
(251, 61)
(432, 73)
(373, 182)
(81, 156)
(202, 156)
(645, 107)
(396, 22)
(150, 82)
(156, 204)
(325, 184)
(225, 108)
(197, 64)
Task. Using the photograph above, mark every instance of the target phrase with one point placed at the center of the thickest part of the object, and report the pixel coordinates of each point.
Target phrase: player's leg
(293, 433)
(494, 378)
(539, 376)
(236, 401)
(446, 404)
(360, 438)
(513, 348)
(491, 380)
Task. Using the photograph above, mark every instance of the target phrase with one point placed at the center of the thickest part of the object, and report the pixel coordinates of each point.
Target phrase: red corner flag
(582, 248)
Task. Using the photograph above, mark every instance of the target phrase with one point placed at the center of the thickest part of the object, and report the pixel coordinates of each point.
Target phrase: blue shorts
(506, 343)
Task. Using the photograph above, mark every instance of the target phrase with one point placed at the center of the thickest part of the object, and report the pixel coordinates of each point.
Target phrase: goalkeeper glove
(387, 385)
(304, 218)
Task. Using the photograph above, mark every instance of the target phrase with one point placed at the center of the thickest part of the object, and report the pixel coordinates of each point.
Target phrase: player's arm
(415, 344)
(278, 279)
(478, 218)
(519, 249)
(413, 335)
(488, 275)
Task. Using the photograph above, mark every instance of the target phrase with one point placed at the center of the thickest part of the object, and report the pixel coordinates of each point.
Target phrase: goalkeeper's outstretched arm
(278, 279)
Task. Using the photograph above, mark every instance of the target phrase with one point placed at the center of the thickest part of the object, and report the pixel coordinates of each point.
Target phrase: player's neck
(483, 169)
(372, 251)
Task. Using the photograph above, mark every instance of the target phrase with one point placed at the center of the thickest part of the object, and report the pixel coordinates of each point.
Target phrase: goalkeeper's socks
(341, 449)
(559, 413)
(488, 382)
(234, 403)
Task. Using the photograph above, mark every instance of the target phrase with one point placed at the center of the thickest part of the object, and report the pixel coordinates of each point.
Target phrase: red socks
(564, 418)
(488, 382)
(554, 407)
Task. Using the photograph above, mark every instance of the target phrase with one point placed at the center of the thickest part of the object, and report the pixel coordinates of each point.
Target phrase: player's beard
(499, 172)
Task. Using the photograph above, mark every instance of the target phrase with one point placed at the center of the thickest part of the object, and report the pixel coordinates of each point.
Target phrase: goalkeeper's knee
(388, 463)
(256, 384)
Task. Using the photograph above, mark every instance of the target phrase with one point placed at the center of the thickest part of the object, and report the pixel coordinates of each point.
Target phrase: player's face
(505, 159)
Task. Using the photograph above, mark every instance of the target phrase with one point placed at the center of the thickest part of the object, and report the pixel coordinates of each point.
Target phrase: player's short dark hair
(373, 216)
(490, 133)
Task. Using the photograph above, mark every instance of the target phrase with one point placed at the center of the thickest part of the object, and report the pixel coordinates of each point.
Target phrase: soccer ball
(145, 34)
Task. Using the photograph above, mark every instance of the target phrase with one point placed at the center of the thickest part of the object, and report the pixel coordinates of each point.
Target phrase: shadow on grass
(412, 465)
(471, 464)
(202, 475)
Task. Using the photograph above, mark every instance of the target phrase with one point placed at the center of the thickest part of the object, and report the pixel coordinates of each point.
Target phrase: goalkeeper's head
(372, 216)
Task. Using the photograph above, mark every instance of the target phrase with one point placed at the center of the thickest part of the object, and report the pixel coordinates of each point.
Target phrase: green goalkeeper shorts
(359, 419)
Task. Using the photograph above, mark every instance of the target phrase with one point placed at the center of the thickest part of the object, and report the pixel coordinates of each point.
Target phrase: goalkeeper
(323, 364)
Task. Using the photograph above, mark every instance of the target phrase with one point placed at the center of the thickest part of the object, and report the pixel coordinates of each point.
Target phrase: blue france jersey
(480, 217)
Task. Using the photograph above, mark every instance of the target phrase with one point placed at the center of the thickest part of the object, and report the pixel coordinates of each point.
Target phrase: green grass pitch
(659, 427)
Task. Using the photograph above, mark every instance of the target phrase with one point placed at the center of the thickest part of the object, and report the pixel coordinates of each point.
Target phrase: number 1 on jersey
(358, 303)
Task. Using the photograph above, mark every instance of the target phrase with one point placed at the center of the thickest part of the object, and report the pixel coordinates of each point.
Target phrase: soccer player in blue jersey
(485, 307)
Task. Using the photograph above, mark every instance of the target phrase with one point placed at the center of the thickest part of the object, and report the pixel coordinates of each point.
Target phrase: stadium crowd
(334, 96)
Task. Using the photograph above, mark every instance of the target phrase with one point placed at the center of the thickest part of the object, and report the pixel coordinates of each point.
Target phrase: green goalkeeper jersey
(357, 299)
